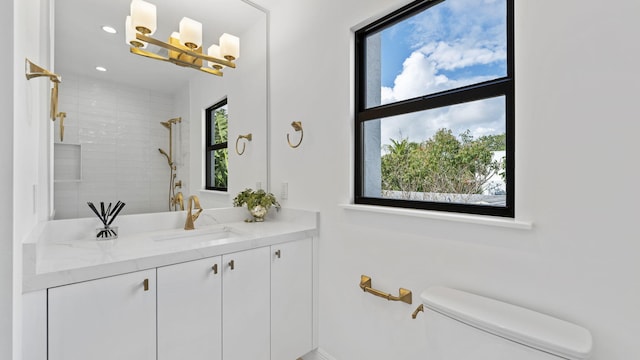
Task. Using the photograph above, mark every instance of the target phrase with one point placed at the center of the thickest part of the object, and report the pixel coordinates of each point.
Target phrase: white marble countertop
(64, 252)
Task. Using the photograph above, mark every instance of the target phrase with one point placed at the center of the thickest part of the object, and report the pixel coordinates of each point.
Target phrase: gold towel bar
(365, 285)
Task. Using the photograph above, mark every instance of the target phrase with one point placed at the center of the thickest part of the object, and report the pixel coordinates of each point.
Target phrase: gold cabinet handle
(419, 309)
(215, 268)
(365, 285)
(145, 284)
(278, 254)
(232, 264)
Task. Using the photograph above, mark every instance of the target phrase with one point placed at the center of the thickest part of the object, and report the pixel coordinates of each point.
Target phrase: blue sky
(397, 47)
(452, 44)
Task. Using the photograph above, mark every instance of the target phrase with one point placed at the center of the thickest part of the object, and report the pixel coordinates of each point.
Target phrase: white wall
(245, 89)
(577, 84)
(7, 296)
(24, 147)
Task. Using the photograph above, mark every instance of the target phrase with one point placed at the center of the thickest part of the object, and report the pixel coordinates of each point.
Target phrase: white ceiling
(81, 44)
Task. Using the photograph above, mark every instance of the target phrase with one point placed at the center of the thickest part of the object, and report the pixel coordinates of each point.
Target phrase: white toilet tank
(464, 326)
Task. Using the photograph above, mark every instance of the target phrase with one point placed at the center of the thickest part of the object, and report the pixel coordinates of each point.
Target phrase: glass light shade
(143, 16)
(175, 35)
(214, 51)
(130, 35)
(190, 33)
(229, 46)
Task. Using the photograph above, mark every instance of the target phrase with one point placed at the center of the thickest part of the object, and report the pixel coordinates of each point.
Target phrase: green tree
(397, 168)
(221, 156)
(443, 164)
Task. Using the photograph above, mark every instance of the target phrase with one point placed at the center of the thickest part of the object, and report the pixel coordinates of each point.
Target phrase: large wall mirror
(123, 124)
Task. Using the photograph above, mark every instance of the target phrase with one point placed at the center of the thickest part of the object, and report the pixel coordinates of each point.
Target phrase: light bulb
(190, 33)
(229, 46)
(143, 16)
(214, 51)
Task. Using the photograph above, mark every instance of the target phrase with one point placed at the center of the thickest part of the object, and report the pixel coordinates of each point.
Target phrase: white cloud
(452, 56)
(421, 72)
(463, 34)
(484, 117)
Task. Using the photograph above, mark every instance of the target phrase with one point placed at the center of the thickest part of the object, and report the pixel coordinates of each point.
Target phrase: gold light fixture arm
(181, 55)
(183, 50)
(249, 137)
(297, 126)
(404, 294)
(151, 55)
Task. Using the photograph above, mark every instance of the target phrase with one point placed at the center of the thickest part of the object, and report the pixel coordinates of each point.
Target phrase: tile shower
(110, 149)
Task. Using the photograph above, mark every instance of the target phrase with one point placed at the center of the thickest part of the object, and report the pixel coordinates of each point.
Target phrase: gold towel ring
(248, 137)
(297, 125)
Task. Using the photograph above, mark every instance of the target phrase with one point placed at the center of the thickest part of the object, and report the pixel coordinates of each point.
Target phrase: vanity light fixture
(185, 47)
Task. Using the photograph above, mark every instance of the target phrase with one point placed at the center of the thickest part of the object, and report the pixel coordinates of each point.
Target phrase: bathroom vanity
(226, 290)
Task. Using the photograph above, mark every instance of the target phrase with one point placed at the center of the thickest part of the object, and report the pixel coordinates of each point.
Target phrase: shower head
(165, 154)
(175, 120)
(166, 124)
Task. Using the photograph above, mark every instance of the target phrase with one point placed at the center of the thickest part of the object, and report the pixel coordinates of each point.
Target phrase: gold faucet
(178, 201)
(195, 202)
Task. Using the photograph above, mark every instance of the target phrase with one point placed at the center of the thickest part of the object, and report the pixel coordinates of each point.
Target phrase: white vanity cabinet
(190, 310)
(252, 304)
(246, 302)
(291, 299)
(104, 319)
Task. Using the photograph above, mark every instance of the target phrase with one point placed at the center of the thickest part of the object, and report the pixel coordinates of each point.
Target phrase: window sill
(463, 218)
(214, 192)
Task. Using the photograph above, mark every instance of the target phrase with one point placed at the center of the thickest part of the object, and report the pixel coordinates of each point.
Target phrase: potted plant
(258, 202)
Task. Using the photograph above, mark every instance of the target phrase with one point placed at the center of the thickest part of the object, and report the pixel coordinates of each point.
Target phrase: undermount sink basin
(203, 234)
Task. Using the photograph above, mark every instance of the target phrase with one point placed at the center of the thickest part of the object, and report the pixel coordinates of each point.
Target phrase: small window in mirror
(216, 149)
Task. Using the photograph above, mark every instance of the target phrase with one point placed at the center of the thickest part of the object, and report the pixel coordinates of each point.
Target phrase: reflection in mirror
(122, 138)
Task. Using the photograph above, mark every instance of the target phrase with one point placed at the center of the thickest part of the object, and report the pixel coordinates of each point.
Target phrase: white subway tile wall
(117, 133)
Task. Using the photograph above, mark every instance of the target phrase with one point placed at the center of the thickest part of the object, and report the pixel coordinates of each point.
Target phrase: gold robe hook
(32, 71)
(297, 126)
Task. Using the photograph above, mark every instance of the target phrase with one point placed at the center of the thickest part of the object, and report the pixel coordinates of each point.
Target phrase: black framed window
(216, 149)
(434, 114)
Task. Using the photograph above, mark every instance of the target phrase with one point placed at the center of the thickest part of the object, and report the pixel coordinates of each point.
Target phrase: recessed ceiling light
(100, 68)
(109, 29)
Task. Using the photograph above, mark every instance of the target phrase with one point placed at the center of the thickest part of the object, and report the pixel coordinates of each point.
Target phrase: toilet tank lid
(512, 322)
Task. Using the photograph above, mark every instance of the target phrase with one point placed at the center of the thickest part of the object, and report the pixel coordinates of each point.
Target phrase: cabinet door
(245, 305)
(104, 319)
(291, 300)
(189, 310)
